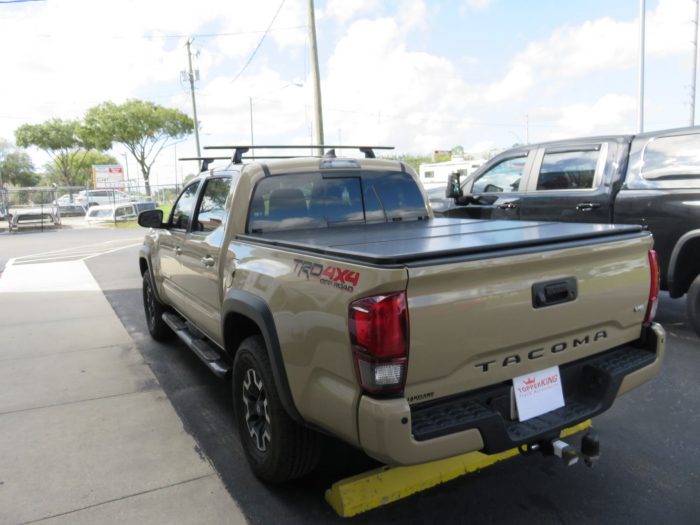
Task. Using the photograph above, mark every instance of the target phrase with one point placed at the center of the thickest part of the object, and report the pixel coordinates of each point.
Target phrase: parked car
(94, 197)
(68, 204)
(108, 213)
(652, 179)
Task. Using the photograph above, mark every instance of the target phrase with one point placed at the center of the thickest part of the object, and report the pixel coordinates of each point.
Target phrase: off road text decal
(327, 275)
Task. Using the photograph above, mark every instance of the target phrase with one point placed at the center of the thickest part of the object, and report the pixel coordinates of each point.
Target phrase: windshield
(321, 200)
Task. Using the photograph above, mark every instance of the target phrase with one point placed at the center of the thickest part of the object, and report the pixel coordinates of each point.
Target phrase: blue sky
(420, 75)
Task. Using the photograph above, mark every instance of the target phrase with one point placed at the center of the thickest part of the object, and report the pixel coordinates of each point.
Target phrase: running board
(209, 355)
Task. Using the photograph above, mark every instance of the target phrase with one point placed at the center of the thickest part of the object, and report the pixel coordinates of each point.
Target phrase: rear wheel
(277, 448)
(693, 305)
(154, 310)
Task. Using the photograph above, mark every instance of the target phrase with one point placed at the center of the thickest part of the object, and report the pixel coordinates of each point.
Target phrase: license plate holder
(537, 393)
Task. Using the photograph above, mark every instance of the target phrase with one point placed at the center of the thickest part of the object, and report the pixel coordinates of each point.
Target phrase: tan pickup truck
(335, 303)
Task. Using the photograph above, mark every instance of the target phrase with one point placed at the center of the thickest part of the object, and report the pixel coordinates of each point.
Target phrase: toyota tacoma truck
(652, 179)
(335, 303)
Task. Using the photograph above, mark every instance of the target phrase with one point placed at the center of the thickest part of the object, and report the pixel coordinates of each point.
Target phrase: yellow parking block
(384, 485)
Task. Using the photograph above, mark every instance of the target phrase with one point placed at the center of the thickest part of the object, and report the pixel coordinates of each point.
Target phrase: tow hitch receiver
(590, 450)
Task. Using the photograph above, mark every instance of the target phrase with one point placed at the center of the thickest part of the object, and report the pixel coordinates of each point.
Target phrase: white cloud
(478, 5)
(345, 10)
(596, 45)
(609, 114)
(406, 98)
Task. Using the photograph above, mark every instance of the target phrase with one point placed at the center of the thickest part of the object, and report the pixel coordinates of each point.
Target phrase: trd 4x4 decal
(328, 275)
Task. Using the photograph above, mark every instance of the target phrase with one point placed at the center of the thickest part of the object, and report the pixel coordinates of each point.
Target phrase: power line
(235, 33)
(252, 55)
(188, 35)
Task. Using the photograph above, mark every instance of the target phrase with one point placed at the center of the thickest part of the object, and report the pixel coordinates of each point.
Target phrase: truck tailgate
(476, 322)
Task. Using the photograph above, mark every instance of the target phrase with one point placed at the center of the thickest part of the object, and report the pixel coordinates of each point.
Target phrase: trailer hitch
(590, 449)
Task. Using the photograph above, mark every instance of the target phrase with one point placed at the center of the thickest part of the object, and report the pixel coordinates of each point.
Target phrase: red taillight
(654, 288)
(378, 328)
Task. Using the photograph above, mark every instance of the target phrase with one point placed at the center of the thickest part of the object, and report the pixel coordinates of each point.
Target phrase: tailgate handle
(554, 292)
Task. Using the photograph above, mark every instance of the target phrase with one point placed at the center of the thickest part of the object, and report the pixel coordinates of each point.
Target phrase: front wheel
(693, 305)
(277, 448)
(154, 310)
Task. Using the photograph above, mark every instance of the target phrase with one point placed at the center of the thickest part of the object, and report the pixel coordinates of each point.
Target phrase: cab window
(210, 213)
(503, 177)
(182, 211)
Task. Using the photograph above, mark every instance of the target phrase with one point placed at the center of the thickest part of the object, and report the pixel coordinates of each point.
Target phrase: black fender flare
(673, 261)
(257, 310)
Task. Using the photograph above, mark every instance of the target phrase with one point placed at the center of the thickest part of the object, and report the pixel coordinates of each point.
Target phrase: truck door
(495, 193)
(568, 184)
(201, 255)
(172, 240)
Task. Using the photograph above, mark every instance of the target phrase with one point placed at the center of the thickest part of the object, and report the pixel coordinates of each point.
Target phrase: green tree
(64, 142)
(16, 166)
(81, 172)
(144, 128)
(412, 160)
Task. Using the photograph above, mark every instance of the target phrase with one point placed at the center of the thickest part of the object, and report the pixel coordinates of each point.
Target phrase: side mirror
(454, 187)
(151, 219)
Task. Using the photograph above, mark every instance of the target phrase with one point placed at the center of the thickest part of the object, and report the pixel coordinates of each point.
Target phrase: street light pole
(640, 114)
(252, 142)
(695, 64)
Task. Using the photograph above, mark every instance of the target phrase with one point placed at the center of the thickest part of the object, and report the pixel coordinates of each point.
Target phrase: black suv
(651, 179)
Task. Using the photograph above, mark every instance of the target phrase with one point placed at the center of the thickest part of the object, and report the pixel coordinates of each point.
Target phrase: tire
(154, 310)
(693, 305)
(277, 448)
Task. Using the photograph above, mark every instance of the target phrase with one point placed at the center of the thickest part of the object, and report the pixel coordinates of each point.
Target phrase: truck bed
(416, 241)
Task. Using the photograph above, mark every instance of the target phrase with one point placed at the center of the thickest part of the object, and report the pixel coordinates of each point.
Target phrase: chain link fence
(56, 206)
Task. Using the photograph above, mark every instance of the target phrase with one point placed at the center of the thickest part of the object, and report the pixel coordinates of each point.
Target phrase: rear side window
(671, 158)
(316, 200)
(569, 170)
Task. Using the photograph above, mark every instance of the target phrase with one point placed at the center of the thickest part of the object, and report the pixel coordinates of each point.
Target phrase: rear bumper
(396, 433)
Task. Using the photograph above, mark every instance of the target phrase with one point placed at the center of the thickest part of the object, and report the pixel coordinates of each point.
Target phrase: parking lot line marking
(375, 488)
(65, 276)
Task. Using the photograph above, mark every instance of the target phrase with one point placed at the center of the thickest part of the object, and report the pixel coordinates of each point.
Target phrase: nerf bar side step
(209, 355)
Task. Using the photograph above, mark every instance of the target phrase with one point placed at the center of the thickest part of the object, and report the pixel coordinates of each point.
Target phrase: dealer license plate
(538, 393)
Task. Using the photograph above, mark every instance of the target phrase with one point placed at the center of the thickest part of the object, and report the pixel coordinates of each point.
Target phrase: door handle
(178, 250)
(507, 206)
(587, 206)
(208, 260)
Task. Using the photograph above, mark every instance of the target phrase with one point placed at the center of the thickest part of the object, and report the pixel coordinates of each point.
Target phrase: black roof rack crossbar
(205, 161)
(240, 150)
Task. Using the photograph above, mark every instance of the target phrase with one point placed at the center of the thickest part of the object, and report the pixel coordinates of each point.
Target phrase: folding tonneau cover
(422, 240)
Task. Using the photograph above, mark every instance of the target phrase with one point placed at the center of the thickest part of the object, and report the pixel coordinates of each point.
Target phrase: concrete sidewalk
(86, 433)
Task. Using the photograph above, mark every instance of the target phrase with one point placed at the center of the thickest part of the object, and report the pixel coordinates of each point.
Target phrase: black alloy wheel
(257, 416)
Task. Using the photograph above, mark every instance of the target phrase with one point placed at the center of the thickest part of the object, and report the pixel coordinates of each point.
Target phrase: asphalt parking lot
(649, 471)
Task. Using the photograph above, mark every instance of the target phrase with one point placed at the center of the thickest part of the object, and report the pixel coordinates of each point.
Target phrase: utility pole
(194, 102)
(315, 77)
(640, 114)
(695, 65)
